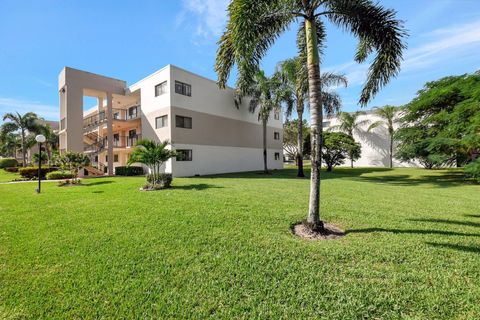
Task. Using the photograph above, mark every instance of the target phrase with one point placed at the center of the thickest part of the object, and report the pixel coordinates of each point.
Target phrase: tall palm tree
(349, 124)
(294, 77)
(388, 115)
(27, 123)
(152, 154)
(254, 25)
(265, 95)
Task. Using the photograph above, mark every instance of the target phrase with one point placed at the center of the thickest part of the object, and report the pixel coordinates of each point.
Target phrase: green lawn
(7, 176)
(221, 247)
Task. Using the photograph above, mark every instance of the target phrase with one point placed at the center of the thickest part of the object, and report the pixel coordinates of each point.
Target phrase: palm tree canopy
(150, 152)
(254, 25)
(349, 122)
(16, 121)
(388, 116)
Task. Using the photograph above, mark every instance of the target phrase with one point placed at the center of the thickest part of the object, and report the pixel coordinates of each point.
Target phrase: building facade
(210, 134)
(375, 144)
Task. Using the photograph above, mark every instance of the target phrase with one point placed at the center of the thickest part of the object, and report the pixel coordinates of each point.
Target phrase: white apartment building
(210, 134)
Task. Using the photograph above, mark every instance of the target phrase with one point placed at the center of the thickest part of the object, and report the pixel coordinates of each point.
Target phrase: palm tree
(152, 154)
(349, 124)
(52, 139)
(265, 95)
(9, 144)
(254, 25)
(294, 77)
(388, 116)
(27, 123)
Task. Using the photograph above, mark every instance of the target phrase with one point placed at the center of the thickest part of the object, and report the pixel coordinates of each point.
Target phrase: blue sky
(131, 39)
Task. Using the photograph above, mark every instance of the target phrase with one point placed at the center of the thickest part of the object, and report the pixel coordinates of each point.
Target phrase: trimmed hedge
(57, 175)
(129, 171)
(8, 162)
(11, 169)
(472, 170)
(32, 172)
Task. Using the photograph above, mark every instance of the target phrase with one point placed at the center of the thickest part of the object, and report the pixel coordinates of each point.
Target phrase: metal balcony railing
(124, 141)
(131, 113)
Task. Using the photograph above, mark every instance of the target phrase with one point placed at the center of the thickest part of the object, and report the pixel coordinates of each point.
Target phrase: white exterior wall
(375, 144)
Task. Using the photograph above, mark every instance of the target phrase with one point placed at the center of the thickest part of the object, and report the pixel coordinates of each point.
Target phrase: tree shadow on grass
(439, 179)
(472, 215)
(291, 173)
(445, 221)
(198, 186)
(97, 183)
(413, 231)
(458, 247)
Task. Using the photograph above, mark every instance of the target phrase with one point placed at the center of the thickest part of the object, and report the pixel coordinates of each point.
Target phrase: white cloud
(209, 17)
(46, 111)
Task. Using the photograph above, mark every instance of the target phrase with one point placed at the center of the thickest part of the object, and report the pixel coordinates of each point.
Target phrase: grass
(7, 176)
(221, 247)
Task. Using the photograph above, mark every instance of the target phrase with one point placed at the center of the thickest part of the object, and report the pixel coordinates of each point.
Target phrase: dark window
(115, 158)
(276, 115)
(132, 112)
(161, 88)
(183, 88)
(183, 122)
(277, 156)
(132, 133)
(161, 122)
(184, 155)
(276, 135)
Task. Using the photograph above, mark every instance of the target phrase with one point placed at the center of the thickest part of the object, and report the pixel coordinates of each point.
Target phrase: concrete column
(109, 114)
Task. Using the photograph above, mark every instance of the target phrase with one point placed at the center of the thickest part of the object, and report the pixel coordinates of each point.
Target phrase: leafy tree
(52, 139)
(9, 144)
(441, 125)
(152, 154)
(291, 136)
(337, 146)
(254, 25)
(73, 162)
(24, 124)
(349, 124)
(293, 73)
(265, 95)
(388, 116)
(36, 157)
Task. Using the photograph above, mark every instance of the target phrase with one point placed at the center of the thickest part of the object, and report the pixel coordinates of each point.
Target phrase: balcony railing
(131, 113)
(124, 141)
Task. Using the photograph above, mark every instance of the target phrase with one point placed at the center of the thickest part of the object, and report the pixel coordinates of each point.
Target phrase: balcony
(131, 113)
(124, 141)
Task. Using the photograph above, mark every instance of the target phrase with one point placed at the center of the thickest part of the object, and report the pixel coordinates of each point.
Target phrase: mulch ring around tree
(330, 232)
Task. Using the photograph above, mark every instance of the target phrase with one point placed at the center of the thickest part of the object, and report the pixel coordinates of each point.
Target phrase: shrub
(32, 172)
(159, 180)
(11, 169)
(129, 171)
(472, 170)
(8, 162)
(56, 175)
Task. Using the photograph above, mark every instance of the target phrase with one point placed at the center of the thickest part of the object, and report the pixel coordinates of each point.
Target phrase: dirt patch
(330, 232)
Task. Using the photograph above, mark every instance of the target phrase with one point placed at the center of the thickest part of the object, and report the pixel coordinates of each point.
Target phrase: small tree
(73, 162)
(388, 116)
(338, 146)
(152, 154)
(291, 137)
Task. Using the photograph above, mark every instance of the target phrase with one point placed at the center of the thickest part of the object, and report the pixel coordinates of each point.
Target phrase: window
(277, 156)
(132, 133)
(276, 135)
(161, 121)
(276, 115)
(132, 112)
(183, 88)
(184, 155)
(326, 124)
(115, 158)
(161, 88)
(183, 122)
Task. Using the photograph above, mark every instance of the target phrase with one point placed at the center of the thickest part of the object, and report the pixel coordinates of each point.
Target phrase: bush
(57, 175)
(159, 180)
(129, 171)
(11, 169)
(472, 170)
(32, 172)
(8, 162)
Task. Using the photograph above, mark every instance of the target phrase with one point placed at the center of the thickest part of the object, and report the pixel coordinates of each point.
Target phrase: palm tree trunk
(391, 151)
(264, 125)
(300, 141)
(316, 117)
(24, 149)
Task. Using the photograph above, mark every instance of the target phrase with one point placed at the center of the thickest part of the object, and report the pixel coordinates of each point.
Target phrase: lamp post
(40, 139)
